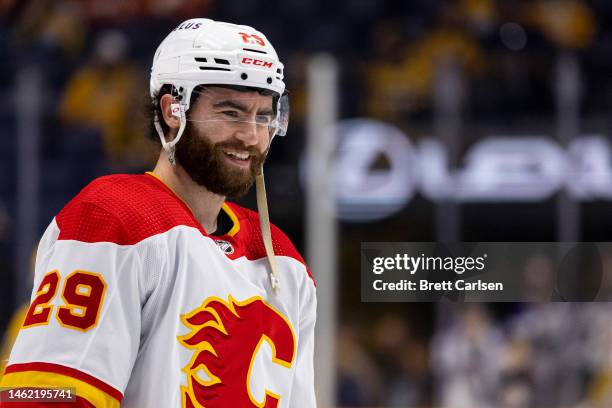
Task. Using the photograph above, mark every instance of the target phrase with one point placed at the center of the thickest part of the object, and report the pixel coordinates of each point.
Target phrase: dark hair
(153, 107)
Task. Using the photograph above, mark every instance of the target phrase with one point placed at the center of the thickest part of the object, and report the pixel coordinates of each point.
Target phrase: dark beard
(205, 164)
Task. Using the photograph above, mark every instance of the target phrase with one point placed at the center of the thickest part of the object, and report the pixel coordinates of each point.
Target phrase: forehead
(211, 95)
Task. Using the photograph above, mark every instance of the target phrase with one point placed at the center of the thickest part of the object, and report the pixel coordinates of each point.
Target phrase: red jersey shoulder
(249, 236)
(123, 209)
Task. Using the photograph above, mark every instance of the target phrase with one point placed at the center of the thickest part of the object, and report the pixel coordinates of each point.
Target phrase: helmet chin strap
(264, 221)
(178, 110)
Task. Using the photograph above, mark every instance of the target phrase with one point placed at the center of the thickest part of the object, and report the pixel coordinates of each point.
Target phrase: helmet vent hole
(222, 61)
(244, 76)
(200, 59)
(278, 71)
(214, 69)
(269, 80)
(252, 50)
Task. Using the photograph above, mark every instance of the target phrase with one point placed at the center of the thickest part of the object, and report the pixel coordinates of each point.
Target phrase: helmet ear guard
(177, 110)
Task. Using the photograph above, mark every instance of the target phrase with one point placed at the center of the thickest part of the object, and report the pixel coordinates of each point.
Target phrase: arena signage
(378, 169)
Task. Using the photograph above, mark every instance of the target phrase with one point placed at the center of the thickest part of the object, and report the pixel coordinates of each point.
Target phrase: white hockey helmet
(201, 51)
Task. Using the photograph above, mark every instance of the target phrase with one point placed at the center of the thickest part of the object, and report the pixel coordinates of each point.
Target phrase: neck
(204, 204)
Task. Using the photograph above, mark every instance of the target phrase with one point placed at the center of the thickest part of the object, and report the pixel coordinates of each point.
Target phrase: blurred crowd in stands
(94, 57)
(481, 356)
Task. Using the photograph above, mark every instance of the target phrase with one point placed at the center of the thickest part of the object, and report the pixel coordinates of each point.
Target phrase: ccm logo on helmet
(256, 62)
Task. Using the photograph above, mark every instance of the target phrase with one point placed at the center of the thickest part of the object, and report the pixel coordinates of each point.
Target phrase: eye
(263, 119)
(230, 114)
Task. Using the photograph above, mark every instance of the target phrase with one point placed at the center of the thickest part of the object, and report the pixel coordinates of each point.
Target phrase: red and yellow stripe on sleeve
(89, 390)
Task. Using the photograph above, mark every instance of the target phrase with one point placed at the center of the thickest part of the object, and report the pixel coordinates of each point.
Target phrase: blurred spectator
(104, 94)
(389, 335)
(10, 336)
(557, 334)
(46, 34)
(401, 75)
(480, 16)
(51, 24)
(6, 6)
(538, 279)
(12, 330)
(567, 23)
(465, 359)
(516, 388)
(358, 376)
(180, 9)
(600, 390)
(411, 386)
(388, 86)
(402, 362)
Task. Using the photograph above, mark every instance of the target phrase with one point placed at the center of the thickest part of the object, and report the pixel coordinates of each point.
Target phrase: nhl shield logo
(225, 246)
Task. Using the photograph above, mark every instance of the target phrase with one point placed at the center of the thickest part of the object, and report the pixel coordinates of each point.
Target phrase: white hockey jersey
(134, 305)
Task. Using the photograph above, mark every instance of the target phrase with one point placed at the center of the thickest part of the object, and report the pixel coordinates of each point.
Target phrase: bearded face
(210, 166)
(223, 145)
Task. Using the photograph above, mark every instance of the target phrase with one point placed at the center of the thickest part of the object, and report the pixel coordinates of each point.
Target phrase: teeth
(241, 156)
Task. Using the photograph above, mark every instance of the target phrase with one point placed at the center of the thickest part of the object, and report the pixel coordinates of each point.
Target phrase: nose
(248, 134)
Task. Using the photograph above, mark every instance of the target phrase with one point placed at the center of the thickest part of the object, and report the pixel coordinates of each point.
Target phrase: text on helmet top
(186, 26)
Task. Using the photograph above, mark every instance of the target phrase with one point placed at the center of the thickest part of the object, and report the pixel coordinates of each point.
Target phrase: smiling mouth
(238, 159)
(238, 156)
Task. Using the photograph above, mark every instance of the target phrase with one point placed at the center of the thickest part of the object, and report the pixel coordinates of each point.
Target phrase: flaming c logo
(225, 337)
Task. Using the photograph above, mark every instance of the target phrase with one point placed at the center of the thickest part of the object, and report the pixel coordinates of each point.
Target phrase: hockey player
(153, 291)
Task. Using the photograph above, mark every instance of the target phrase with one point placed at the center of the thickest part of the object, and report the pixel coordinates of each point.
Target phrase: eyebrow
(238, 106)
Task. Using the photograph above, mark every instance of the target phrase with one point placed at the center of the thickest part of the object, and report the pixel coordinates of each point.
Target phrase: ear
(173, 121)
